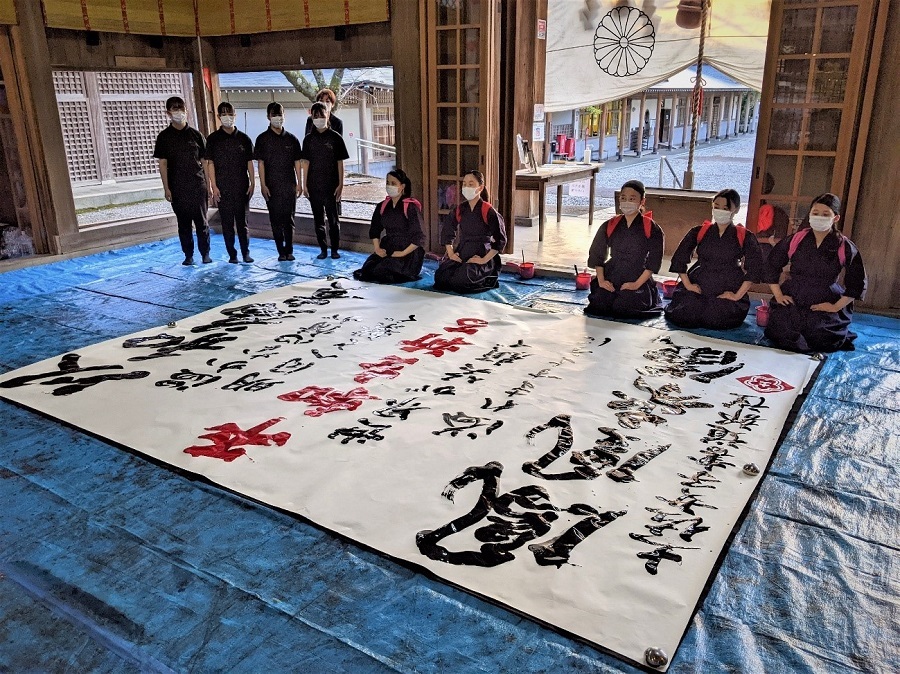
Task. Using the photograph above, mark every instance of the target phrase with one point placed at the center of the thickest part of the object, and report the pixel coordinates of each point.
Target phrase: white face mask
(277, 122)
(470, 193)
(721, 216)
(820, 223)
(628, 207)
(179, 116)
(393, 190)
(227, 121)
(320, 122)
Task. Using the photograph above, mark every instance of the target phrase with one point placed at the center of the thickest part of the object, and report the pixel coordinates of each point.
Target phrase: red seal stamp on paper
(765, 383)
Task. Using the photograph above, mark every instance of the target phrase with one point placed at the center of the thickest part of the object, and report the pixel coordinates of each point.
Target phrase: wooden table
(559, 175)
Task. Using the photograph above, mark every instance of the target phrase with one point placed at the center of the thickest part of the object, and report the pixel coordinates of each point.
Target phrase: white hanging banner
(604, 50)
(582, 472)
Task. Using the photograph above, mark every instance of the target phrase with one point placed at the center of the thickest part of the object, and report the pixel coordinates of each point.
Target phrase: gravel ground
(716, 166)
(724, 164)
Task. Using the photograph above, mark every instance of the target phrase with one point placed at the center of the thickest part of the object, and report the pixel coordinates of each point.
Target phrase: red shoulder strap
(799, 236)
(704, 228)
(795, 241)
(407, 202)
(384, 205)
(741, 232)
(842, 250)
(485, 209)
(648, 223)
(613, 223)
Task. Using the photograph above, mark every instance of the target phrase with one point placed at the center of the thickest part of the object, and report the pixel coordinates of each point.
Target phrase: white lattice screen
(68, 82)
(161, 84)
(78, 141)
(131, 130)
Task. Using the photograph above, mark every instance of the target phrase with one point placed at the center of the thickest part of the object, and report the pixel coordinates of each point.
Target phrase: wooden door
(462, 92)
(809, 110)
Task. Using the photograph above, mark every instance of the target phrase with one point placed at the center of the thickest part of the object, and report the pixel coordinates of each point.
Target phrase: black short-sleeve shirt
(323, 150)
(229, 153)
(183, 150)
(278, 151)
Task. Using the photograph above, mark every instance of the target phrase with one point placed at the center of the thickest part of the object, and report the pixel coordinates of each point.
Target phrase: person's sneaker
(188, 261)
(207, 259)
(289, 257)
(322, 255)
(247, 258)
(232, 259)
(282, 258)
(335, 255)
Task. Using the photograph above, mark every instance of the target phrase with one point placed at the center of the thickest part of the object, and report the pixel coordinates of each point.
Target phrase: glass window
(447, 80)
(815, 177)
(447, 47)
(447, 123)
(830, 80)
(838, 24)
(447, 155)
(784, 133)
(823, 130)
(791, 80)
(780, 173)
(797, 31)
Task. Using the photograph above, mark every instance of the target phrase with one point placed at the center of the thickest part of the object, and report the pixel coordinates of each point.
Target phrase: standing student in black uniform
(627, 250)
(327, 97)
(180, 150)
(324, 153)
(278, 153)
(229, 165)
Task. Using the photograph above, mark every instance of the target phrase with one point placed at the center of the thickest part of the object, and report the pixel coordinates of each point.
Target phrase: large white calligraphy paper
(583, 472)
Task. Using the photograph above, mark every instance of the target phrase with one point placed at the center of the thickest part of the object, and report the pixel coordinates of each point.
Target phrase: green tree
(309, 89)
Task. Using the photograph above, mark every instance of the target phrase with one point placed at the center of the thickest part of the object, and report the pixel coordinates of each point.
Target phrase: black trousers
(281, 216)
(233, 214)
(190, 212)
(323, 207)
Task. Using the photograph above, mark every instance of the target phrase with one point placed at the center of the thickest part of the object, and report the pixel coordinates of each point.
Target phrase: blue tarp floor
(109, 563)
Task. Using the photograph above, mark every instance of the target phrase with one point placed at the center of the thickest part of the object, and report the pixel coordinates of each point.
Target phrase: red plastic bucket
(668, 288)
(526, 270)
(762, 315)
(582, 281)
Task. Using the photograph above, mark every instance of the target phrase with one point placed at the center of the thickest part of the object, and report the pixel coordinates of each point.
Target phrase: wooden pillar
(98, 127)
(41, 146)
(364, 133)
(726, 115)
(624, 126)
(672, 109)
(411, 132)
(640, 133)
(523, 61)
(706, 113)
(688, 114)
(659, 107)
(601, 131)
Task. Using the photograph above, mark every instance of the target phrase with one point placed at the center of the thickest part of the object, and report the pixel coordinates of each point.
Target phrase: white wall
(253, 121)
